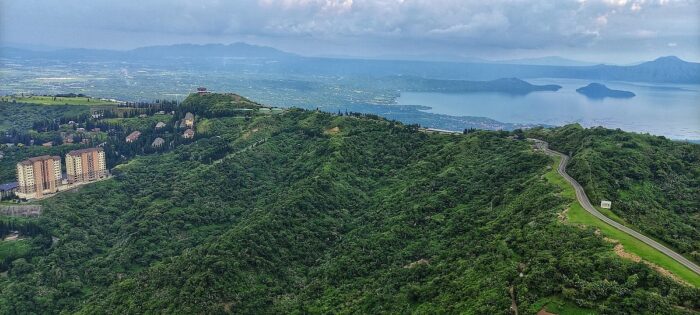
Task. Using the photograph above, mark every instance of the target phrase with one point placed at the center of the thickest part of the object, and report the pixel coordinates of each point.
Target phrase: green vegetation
(557, 305)
(653, 183)
(57, 100)
(218, 105)
(139, 123)
(21, 116)
(307, 212)
(577, 215)
(13, 249)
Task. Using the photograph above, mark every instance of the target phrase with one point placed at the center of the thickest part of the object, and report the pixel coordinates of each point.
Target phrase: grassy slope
(139, 123)
(21, 116)
(578, 215)
(17, 248)
(50, 100)
(654, 183)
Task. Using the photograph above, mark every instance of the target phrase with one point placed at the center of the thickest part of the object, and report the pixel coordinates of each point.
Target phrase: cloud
(494, 24)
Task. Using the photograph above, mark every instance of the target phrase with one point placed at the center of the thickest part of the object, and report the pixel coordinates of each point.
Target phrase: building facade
(38, 176)
(86, 165)
(189, 120)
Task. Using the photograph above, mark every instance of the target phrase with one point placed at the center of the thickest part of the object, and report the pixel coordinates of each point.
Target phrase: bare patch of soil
(332, 131)
(620, 251)
(417, 263)
(544, 312)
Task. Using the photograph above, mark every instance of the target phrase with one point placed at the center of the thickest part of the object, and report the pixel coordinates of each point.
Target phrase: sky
(611, 31)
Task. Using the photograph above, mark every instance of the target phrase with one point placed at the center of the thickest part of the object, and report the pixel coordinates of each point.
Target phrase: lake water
(669, 110)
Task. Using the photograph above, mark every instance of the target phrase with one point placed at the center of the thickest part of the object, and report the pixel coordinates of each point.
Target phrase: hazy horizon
(603, 31)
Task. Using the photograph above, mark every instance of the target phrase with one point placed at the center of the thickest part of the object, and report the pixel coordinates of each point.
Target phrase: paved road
(583, 200)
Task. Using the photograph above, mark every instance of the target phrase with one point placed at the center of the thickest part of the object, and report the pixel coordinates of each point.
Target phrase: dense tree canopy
(653, 182)
(307, 212)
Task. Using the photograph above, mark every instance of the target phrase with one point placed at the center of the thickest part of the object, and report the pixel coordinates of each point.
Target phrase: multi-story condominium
(38, 176)
(86, 165)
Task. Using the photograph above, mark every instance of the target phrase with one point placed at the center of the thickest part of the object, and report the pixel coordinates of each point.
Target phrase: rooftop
(8, 186)
(87, 150)
(157, 142)
(31, 160)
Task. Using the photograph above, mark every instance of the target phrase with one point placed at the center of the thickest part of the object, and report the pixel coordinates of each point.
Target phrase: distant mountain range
(187, 51)
(600, 91)
(662, 70)
(669, 69)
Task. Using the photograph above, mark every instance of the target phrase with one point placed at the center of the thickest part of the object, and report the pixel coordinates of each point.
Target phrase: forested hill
(653, 182)
(308, 212)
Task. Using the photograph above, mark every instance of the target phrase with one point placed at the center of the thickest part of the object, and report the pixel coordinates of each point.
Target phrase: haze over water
(668, 110)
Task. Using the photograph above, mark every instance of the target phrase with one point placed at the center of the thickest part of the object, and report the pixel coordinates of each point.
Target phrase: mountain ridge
(661, 70)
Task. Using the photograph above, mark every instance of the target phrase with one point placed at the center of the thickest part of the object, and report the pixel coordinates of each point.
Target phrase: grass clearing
(578, 215)
(50, 100)
(13, 249)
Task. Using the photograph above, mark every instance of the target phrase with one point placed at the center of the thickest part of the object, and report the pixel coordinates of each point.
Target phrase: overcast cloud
(600, 30)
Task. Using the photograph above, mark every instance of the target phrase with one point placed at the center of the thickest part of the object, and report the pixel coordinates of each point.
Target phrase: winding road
(583, 200)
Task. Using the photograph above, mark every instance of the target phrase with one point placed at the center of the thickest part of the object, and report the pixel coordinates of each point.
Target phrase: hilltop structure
(38, 176)
(86, 165)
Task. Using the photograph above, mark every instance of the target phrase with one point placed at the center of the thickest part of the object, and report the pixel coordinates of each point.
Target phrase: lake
(669, 110)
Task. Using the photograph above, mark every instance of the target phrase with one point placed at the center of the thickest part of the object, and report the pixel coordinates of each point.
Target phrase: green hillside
(653, 182)
(307, 212)
(21, 116)
(57, 100)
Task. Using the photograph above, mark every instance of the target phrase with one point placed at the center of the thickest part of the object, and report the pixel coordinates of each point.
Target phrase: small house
(47, 144)
(157, 143)
(189, 120)
(188, 134)
(160, 125)
(605, 204)
(133, 136)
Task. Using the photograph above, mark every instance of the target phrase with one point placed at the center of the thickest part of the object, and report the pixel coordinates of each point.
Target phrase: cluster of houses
(186, 123)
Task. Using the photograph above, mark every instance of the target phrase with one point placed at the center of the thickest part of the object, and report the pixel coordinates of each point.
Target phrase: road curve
(583, 200)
